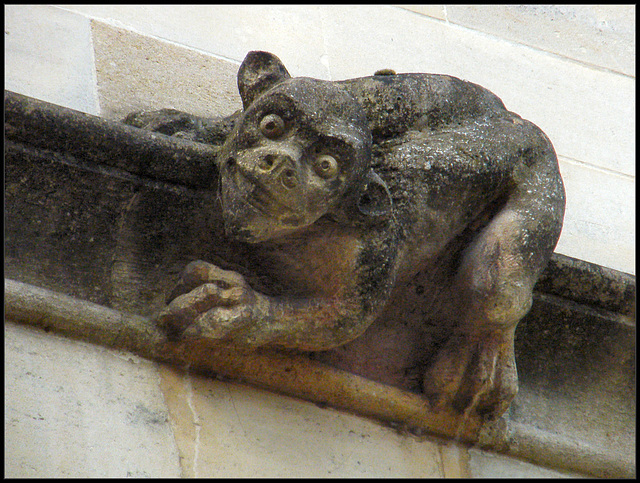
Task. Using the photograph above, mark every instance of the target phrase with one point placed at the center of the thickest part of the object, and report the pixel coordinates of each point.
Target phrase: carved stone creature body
(346, 190)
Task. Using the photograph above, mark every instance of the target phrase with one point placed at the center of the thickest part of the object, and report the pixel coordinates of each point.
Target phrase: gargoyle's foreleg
(211, 303)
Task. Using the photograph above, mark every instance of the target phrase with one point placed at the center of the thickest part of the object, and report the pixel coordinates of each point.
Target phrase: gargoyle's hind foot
(474, 373)
(166, 121)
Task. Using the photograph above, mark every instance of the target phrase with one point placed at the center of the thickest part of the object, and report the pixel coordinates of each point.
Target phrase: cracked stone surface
(226, 429)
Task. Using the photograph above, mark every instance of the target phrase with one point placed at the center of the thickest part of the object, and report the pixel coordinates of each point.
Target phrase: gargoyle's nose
(281, 167)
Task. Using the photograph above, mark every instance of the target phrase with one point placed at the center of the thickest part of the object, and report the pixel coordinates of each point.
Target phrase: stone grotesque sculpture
(345, 190)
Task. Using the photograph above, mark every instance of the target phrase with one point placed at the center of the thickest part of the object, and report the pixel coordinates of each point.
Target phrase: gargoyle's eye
(326, 166)
(272, 126)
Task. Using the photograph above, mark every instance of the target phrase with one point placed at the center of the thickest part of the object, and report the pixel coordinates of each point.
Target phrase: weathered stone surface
(298, 376)
(229, 430)
(117, 50)
(474, 56)
(578, 369)
(284, 372)
(346, 190)
(79, 410)
(487, 465)
(589, 284)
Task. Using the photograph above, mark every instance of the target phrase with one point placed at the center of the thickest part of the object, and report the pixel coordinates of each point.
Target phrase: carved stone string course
(279, 371)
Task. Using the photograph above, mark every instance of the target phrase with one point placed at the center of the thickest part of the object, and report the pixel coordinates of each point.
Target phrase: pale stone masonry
(74, 409)
(78, 410)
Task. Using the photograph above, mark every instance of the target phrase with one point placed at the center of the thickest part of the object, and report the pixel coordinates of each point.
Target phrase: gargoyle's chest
(320, 262)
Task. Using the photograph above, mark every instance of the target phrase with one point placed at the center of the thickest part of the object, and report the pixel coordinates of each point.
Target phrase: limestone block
(48, 56)
(587, 113)
(602, 35)
(78, 410)
(135, 72)
(230, 430)
(294, 33)
(490, 465)
(435, 11)
(600, 216)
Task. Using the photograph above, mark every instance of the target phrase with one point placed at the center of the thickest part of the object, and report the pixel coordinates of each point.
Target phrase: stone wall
(74, 409)
(78, 410)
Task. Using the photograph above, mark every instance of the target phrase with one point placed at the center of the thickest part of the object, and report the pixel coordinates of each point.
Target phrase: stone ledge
(294, 375)
(287, 372)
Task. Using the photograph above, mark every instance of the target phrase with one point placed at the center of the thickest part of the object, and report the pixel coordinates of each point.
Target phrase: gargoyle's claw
(474, 374)
(219, 323)
(183, 310)
(187, 309)
(198, 273)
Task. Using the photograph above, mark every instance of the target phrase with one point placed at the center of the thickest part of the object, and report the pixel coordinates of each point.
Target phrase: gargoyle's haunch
(346, 190)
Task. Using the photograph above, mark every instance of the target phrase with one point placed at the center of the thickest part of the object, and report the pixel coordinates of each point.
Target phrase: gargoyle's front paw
(474, 372)
(209, 302)
(198, 273)
(166, 121)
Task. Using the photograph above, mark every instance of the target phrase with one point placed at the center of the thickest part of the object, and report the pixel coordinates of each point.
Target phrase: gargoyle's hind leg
(476, 367)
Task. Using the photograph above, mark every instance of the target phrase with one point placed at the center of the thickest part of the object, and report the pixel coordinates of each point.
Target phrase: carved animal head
(300, 150)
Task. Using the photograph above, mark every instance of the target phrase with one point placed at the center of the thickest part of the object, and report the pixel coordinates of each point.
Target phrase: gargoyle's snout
(279, 167)
(274, 169)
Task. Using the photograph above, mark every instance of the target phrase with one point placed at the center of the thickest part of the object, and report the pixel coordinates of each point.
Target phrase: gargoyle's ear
(259, 72)
(374, 199)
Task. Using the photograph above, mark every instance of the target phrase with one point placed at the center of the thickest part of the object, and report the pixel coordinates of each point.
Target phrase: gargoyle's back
(398, 103)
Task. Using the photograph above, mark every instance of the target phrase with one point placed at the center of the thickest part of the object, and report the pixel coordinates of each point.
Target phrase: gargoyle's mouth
(262, 200)
(254, 213)
(271, 209)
